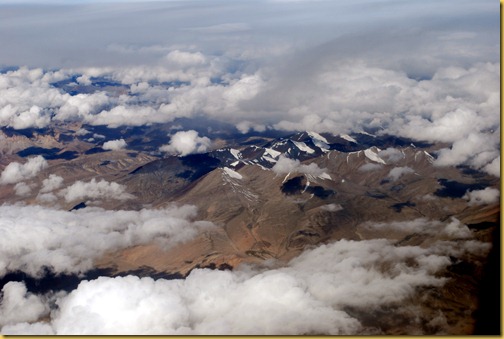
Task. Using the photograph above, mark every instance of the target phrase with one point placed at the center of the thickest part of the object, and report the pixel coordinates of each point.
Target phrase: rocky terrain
(271, 198)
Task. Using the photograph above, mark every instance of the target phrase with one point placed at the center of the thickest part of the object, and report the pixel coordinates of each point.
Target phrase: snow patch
(348, 138)
(366, 133)
(430, 158)
(371, 155)
(236, 153)
(303, 147)
(272, 152)
(285, 179)
(232, 173)
(307, 185)
(325, 176)
(269, 159)
(315, 135)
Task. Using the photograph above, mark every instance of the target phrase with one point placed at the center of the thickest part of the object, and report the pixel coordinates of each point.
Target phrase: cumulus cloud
(52, 183)
(34, 238)
(397, 172)
(114, 145)
(84, 80)
(286, 165)
(476, 149)
(186, 142)
(17, 305)
(27, 99)
(308, 296)
(22, 189)
(486, 196)
(493, 167)
(16, 172)
(246, 126)
(95, 190)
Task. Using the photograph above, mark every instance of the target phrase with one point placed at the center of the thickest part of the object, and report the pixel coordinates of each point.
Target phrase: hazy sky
(88, 33)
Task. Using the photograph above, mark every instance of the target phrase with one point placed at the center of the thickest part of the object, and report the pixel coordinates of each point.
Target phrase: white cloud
(17, 305)
(453, 229)
(22, 189)
(392, 155)
(486, 196)
(308, 296)
(286, 165)
(493, 167)
(95, 190)
(185, 59)
(246, 126)
(34, 237)
(397, 172)
(47, 198)
(456, 229)
(84, 80)
(370, 167)
(80, 106)
(477, 149)
(186, 142)
(124, 115)
(114, 145)
(332, 207)
(16, 172)
(445, 108)
(51, 183)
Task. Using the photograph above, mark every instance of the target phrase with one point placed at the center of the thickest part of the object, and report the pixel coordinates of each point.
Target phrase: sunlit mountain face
(259, 167)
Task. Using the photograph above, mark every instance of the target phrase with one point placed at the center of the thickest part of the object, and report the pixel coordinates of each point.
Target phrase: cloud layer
(34, 237)
(308, 296)
(435, 81)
